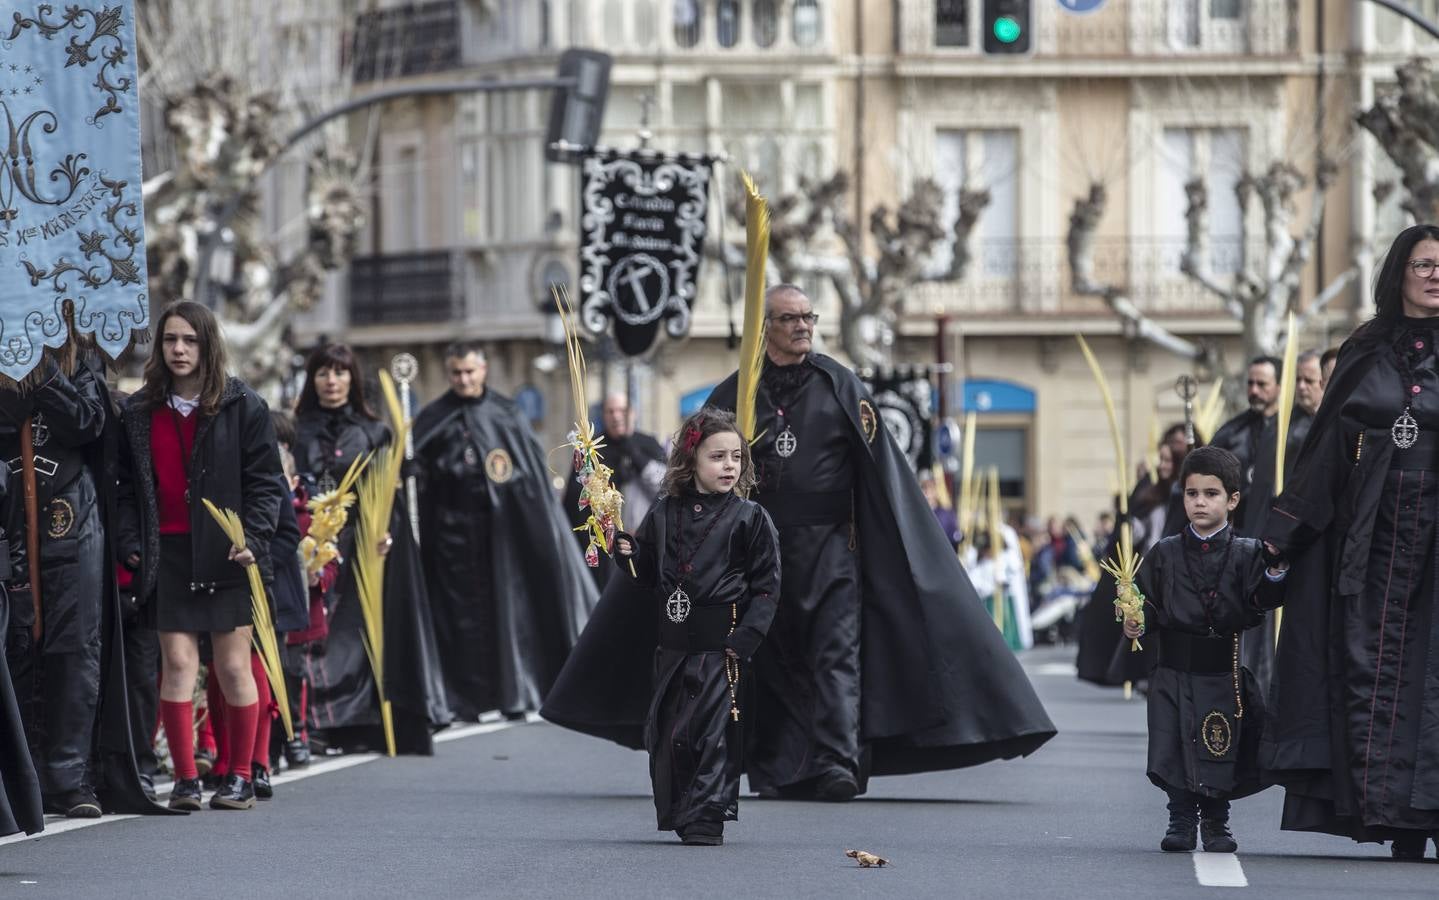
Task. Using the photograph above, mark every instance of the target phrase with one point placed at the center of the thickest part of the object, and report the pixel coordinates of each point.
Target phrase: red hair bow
(692, 438)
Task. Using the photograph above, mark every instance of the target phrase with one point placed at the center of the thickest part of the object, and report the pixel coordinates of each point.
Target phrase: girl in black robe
(710, 561)
(1355, 734)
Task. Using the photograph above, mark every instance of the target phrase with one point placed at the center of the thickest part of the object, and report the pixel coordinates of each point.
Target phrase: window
(644, 23)
(951, 23)
(1226, 9)
(1213, 25)
(1006, 449)
(614, 12)
(687, 24)
(544, 14)
(805, 21)
(407, 199)
(765, 15)
(727, 22)
(981, 160)
(1215, 158)
(472, 191)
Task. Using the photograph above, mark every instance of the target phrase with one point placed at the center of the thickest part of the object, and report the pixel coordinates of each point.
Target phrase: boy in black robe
(1203, 587)
(710, 562)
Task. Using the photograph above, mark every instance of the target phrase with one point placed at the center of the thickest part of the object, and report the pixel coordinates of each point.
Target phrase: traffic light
(1007, 26)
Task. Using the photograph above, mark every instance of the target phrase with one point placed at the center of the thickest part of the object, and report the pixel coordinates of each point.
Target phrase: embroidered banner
(905, 399)
(72, 221)
(641, 237)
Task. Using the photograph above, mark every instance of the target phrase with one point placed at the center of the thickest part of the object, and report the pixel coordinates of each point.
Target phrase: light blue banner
(72, 221)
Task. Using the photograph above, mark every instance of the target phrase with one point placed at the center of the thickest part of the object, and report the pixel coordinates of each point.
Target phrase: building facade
(470, 224)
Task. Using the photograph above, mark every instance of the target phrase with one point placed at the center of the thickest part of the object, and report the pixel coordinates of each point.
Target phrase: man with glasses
(881, 659)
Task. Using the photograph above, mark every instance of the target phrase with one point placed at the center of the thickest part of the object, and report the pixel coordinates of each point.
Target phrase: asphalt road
(535, 811)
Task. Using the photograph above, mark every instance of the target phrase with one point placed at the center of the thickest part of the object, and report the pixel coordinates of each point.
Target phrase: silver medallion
(677, 607)
(472, 456)
(786, 443)
(1405, 431)
(39, 431)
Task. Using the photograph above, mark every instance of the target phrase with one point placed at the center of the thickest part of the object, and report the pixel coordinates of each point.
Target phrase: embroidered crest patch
(1217, 734)
(868, 421)
(62, 518)
(499, 467)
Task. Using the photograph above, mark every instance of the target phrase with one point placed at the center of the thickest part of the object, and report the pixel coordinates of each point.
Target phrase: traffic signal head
(1007, 26)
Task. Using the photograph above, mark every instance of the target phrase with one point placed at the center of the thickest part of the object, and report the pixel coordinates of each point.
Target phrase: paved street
(534, 811)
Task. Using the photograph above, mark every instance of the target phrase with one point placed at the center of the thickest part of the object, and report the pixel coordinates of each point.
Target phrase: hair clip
(692, 438)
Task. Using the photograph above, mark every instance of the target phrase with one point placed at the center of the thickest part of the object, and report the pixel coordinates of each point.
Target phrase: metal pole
(404, 367)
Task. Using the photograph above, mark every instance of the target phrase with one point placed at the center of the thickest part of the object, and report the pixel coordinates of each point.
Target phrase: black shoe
(1217, 838)
(204, 762)
(186, 794)
(702, 834)
(236, 793)
(1409, 849)
(836, 787)
(518, 716)
(212, 780)
(260, 778)
(147, 784)
(79, 804)
(297, 753)
(1181, 836)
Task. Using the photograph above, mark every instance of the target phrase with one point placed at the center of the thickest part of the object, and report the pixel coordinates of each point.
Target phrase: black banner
(904, 397)
(642, 234)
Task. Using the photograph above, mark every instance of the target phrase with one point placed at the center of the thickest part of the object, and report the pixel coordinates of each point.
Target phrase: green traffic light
(1006, 30)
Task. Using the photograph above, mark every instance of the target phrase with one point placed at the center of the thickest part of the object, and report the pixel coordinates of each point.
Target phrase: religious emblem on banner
(904, 397)
(642, 237)
(71, 216)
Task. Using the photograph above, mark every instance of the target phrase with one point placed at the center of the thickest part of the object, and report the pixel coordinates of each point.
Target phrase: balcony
(717, 29)
(405, 288)
(414, 39)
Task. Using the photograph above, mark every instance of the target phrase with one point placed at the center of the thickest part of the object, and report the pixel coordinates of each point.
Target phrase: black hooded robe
(21, 807)
(939, 689)
(343, 701)
(1205, 711)
(508, 584)
(1355, 697)
(724, 552)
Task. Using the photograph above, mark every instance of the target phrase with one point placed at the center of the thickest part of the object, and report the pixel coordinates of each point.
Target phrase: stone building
(470, 223)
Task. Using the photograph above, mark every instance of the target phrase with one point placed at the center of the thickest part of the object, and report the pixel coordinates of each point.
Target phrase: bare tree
(230, 81)
(1405, 123)
(812, 234)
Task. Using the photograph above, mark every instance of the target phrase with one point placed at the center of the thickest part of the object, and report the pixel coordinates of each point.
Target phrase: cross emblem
(786, 444)
(1405, 431)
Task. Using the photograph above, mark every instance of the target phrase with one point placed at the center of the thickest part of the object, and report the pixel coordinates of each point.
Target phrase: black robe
(1355, 698)
(724, 553)
(634, 459)
(21, 808)
(343, 700)
(940, 689)
(509, 586)
(1201, 594)
(77, 512)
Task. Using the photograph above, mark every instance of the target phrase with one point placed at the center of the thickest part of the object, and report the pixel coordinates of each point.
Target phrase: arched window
(765, 15)
(687, 23)
(805, 23)
(727, 22)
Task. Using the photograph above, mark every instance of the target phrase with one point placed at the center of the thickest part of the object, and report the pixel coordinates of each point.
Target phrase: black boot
(78, 804)
(703, 834)
(260, 777)
(297, 753)
(1216, 836)
(1182, 834)
(1409, 848)
(836, 786)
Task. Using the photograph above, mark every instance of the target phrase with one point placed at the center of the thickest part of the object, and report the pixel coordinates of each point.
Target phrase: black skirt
(178, 608)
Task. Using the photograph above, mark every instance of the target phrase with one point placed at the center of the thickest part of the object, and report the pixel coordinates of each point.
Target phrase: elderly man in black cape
(507, 583)
(881, 659)
(69, 672)
(639, 464)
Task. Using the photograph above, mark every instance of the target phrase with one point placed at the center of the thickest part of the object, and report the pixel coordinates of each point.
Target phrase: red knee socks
(240, 723)
(179, 721)
(219, 723)
(266, 707)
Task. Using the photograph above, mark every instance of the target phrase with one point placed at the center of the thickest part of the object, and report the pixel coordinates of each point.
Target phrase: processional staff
(405, 368)
(1186, 387)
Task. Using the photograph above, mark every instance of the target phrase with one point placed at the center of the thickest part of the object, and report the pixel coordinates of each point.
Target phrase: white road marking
(1068, 670)
(1219, 870)
(60, 825)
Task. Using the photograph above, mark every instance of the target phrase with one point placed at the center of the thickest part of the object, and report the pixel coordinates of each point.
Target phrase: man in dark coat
(881, 659)
(507, 584)
(639, 464)
(78, 723)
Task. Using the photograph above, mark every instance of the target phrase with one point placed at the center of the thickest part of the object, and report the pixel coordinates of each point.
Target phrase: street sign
(1080, 7)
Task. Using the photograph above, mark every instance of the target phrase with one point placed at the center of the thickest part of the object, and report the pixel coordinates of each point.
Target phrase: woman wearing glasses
(1355, 732)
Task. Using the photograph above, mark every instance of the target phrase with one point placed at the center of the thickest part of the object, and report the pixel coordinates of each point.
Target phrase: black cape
(343, 699)
(941, 690)
(21, 807)
(539, 592)
(1326, 522)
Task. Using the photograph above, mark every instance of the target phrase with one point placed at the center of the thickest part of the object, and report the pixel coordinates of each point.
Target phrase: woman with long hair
(1354, 700)
(194, 432)
(334, 426)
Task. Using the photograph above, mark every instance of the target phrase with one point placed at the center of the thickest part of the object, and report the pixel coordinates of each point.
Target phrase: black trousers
(1190, 805)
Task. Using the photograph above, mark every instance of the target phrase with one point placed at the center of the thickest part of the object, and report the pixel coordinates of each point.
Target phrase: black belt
(1196, 653)
(794, 508)
(705, 628)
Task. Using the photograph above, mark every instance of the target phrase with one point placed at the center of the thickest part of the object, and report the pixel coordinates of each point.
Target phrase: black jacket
(235, 464)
